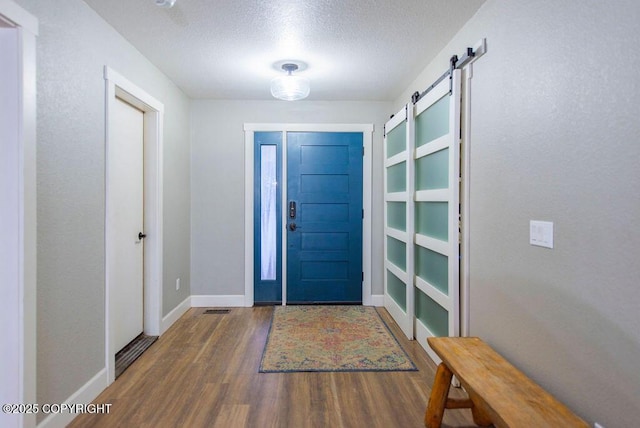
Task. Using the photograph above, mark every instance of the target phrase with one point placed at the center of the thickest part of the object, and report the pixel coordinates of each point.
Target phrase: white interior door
(126, 181)
(10, 223)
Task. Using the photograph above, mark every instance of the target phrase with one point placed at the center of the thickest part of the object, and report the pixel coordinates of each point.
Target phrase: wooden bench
(499, 394)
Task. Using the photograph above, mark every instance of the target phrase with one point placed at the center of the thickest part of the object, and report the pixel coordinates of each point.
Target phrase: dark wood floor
(203, 372)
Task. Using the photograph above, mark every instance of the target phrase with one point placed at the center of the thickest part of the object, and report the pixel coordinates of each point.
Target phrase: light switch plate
(541, 233)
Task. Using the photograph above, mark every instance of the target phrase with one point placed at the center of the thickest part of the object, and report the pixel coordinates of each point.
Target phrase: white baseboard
(85, 395)
(238, 301)
(175, 314)
(377, 300)
(235, 301)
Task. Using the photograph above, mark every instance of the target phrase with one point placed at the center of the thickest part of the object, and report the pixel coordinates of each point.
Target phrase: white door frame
(18, 210)
(249, 130)
(118, 86)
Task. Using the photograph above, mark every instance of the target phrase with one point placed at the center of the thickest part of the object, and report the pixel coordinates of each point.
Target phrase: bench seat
(499, 394)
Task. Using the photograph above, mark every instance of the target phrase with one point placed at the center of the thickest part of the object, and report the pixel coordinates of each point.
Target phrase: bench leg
(478, 411)
(438, 398)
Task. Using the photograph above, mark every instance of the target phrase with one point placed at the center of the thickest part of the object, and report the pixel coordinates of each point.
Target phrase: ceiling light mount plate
(279, 65)
(289, 67)
(165, 3)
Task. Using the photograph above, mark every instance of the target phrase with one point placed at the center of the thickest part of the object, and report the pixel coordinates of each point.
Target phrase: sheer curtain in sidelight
(268, 214)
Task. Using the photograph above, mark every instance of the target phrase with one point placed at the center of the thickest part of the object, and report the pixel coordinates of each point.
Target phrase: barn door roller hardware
(454, 62)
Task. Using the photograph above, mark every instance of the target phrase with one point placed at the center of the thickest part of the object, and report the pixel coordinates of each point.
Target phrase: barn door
(422, 213)
(437, 211)
(398, 240)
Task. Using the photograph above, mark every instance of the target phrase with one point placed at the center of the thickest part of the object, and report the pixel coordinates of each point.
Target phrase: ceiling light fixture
(165, 3)
(290, 87)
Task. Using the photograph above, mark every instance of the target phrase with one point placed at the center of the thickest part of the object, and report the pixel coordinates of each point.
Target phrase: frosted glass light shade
(290, 87)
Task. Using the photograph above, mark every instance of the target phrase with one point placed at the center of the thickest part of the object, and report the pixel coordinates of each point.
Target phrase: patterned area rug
(331, 338)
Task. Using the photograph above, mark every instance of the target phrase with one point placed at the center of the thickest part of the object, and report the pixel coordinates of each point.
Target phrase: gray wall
(554, 136)
(73, 46)
(217, 150)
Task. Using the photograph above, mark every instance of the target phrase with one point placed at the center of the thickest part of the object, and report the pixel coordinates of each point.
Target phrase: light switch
(541, 233)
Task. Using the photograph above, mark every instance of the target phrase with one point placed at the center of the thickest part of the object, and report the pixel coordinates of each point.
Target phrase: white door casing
(118, 86)
(250, 129)
(18, 32)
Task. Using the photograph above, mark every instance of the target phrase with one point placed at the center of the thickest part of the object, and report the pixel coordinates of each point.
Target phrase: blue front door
(324, 217)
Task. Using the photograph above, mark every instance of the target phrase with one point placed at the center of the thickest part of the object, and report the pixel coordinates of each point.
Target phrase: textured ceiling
(226, 49)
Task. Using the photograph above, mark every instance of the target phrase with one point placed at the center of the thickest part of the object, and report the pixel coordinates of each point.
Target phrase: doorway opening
(324, 184)
(18, 32)
(148, 241)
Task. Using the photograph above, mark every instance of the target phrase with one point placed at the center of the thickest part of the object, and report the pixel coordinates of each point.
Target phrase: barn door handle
(141, 235)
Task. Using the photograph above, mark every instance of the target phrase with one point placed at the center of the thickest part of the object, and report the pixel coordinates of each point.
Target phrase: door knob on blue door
(292, 227)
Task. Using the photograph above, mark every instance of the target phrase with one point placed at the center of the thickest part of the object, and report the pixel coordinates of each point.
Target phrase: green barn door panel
(436, 167)
(398, 220)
